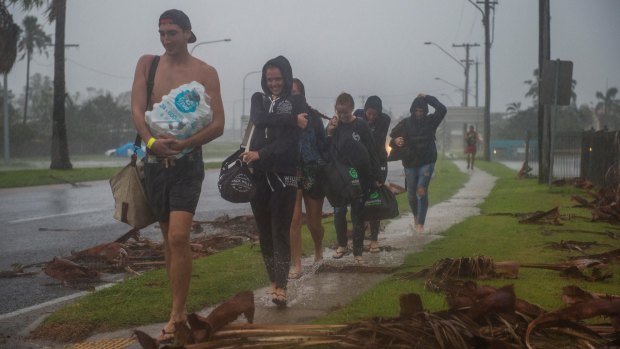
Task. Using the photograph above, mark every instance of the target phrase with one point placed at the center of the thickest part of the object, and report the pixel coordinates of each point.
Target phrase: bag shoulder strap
(247, 136)
(150, 83)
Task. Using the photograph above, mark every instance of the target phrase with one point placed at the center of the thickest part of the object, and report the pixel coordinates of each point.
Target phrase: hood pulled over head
(374, 102)
(419, 102)
(283, 64)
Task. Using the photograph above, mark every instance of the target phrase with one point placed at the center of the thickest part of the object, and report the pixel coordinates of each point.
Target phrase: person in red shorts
(471, 143)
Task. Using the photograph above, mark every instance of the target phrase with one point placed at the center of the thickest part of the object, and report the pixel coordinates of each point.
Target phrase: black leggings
(273, 207)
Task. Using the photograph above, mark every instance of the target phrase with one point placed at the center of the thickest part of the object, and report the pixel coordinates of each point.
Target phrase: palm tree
(607, 100)
(513, 108)
(34, 37)
(9, 33)
(56, 13)
(533, 88)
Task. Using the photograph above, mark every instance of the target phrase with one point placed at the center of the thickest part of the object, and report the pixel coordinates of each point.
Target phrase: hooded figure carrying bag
(131, 205)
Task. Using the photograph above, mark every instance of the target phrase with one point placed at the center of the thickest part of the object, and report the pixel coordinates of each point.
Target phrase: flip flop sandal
(294, 275)
(165, 337)
(279, 298)
(358, 260)
(339, 253)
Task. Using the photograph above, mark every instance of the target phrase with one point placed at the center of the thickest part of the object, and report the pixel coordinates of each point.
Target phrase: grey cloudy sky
(363, 47)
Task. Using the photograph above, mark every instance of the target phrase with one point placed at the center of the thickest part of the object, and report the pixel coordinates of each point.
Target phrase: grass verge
(27, 178)
(146, 299)
(502, 238)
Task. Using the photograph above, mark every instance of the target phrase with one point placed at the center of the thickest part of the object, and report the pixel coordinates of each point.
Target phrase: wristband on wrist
(150, 143)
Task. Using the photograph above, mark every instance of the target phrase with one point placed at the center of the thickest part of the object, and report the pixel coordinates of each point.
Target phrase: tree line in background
(96, 121)
(516, 121)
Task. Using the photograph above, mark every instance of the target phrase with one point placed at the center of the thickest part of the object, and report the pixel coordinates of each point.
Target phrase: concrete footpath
(316, 294)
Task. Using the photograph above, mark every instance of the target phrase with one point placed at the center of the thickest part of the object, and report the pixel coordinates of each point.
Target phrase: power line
(98, 71)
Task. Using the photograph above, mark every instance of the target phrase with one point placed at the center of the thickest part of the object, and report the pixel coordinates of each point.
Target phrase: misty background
(364, 47)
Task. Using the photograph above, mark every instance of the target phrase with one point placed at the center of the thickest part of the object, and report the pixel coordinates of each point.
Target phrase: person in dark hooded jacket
(352, 139)
(273, 154)
(379, 124)
(417, 134)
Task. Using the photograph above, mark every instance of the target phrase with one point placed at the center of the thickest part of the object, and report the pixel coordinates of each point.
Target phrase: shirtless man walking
(173, 187)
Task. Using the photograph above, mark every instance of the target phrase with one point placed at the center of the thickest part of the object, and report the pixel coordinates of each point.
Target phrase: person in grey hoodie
(279, 118)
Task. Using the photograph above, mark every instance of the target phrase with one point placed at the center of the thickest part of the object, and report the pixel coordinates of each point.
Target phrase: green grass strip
(503, 239)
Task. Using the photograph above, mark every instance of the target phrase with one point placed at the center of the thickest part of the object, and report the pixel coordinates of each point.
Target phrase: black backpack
(341, 180)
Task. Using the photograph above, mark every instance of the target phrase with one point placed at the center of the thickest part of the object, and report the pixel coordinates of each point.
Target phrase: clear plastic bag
(181, 113)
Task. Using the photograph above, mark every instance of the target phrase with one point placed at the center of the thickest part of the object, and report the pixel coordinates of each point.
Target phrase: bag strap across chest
(150, 83)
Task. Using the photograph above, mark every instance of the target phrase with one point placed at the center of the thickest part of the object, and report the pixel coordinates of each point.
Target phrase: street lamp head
(427, 43)
(436, 78)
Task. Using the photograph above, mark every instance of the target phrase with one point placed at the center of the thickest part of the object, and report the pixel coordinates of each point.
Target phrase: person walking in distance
(279, 118)
(379, 124)
(472, 138)
(173, 185)
(417, 133)
(312, 147)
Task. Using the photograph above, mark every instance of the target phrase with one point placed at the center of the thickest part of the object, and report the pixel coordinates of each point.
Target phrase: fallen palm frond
(17, 271)
(70, 272)
(551, 216)
(607, 257)
(572, 294)
(605, 203)
(576, 182)
(582, 268)
(576, 312)
(133, 254)
(473, 267)
(610, 234)
(572, 245)
(494, 319)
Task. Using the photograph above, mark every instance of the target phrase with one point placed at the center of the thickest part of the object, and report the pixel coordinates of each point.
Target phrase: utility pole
(477, 84)
(544, 53)
(487, 75)
(467, 63)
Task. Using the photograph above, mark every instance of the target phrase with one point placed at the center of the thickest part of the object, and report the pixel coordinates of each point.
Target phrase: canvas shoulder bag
(131, 205)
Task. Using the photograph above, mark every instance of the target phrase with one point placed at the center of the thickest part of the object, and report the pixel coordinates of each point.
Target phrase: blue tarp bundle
(126, 150)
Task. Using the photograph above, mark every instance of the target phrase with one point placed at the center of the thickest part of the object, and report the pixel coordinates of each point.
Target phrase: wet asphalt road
(39, 223)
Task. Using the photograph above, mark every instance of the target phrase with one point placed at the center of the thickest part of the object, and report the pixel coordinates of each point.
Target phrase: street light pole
(243, 98)
(207, 42)
(467, 62)
(446, 52)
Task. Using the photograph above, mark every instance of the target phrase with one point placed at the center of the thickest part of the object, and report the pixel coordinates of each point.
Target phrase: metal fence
(600, 155)
(566, 155)
(593, 155)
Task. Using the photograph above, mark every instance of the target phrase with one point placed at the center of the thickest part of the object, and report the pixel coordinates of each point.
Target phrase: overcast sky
(363, 47)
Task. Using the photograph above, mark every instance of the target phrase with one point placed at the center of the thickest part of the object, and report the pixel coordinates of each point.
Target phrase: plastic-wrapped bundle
(181, 113)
